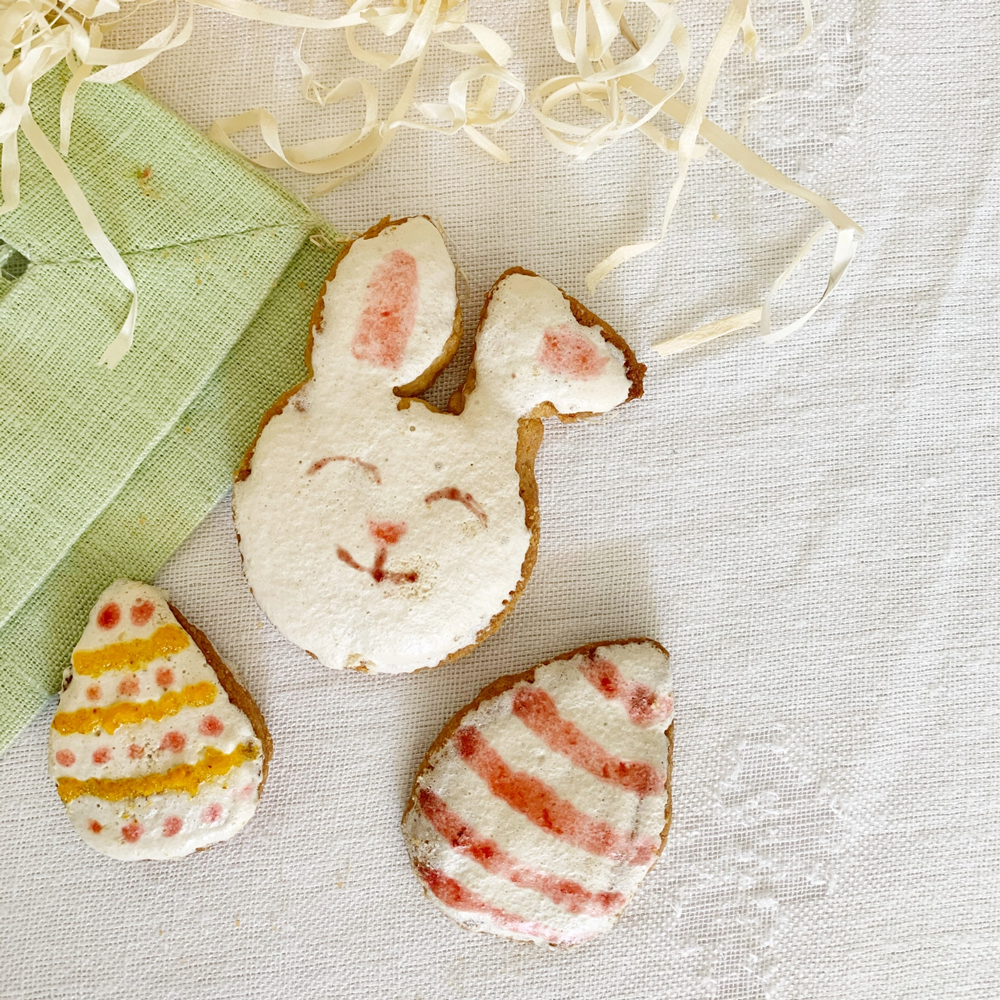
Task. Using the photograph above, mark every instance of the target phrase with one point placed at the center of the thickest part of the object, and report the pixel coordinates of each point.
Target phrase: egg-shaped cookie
(542, 805)
(155, 748)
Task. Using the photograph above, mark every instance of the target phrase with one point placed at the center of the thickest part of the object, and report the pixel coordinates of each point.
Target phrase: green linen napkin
(103, 473)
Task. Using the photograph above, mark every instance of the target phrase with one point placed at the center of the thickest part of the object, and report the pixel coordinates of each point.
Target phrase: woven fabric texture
(104, 473)
(809, 527)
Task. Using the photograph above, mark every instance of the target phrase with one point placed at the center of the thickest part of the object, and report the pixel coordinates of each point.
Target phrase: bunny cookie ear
(539, 349)
(390, 310)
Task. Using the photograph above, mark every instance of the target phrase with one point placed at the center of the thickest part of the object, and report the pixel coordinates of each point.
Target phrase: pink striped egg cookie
(541, 806)
(155, 748)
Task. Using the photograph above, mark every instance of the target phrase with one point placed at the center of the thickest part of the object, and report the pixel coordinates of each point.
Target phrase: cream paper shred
(36, 35)
(420, 23)
(585, 31)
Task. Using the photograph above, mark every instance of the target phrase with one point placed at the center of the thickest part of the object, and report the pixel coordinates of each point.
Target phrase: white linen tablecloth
(810, 527)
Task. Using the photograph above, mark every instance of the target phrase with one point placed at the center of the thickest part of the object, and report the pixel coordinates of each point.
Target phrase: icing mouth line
(86, 720)
(132, 655)
(536, 709)
(371, 471)
(465, 839)
(540, 804)
(378, 572)
(466, 499)
(384, 534)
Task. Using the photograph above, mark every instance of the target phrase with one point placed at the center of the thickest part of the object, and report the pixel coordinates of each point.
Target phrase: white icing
(235, 794)
(467, 795)
(292, 519)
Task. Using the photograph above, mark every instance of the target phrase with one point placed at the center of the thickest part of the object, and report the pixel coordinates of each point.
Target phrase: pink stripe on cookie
(541, 804)
(642, 703)
(536, 709)
(453, 894)
(464, 838)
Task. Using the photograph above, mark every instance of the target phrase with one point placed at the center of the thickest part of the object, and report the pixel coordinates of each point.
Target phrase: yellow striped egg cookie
(542, 805)
(155, 748)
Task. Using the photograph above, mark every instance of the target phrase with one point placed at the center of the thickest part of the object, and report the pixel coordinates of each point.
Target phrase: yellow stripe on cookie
(129, 713)
(183, 778)
(132, 655)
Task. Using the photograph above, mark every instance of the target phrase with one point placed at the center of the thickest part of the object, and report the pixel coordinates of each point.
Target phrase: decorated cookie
(541, 806)
(156, 750)
(377, 532)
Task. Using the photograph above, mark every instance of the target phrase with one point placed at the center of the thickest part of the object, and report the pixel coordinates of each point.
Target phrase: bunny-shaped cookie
(377, 532)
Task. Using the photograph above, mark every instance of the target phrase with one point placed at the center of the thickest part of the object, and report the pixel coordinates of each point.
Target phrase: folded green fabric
(103, 473)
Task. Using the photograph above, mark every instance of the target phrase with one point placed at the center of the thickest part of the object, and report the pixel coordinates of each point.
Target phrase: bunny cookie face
(376, 532)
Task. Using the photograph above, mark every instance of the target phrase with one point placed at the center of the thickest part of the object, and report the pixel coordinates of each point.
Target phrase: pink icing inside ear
(389, 313)
(565, 352)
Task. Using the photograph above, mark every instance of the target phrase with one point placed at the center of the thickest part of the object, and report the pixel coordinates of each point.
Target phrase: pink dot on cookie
(211, 725)
(129, 686)
(132, 831)
(565, 352)
(173, 741)
(109, 615)
(102, 755)
(172, 826)
(141, 612)
(247, 791)
(65, 758)
(94, 692)
(94, 826)
(135, 751)
(211, 813)
(164, 677)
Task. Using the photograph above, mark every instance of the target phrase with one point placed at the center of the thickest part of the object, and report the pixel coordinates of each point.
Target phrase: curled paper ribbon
(611, 90)
(36, 35)
(426, 20)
